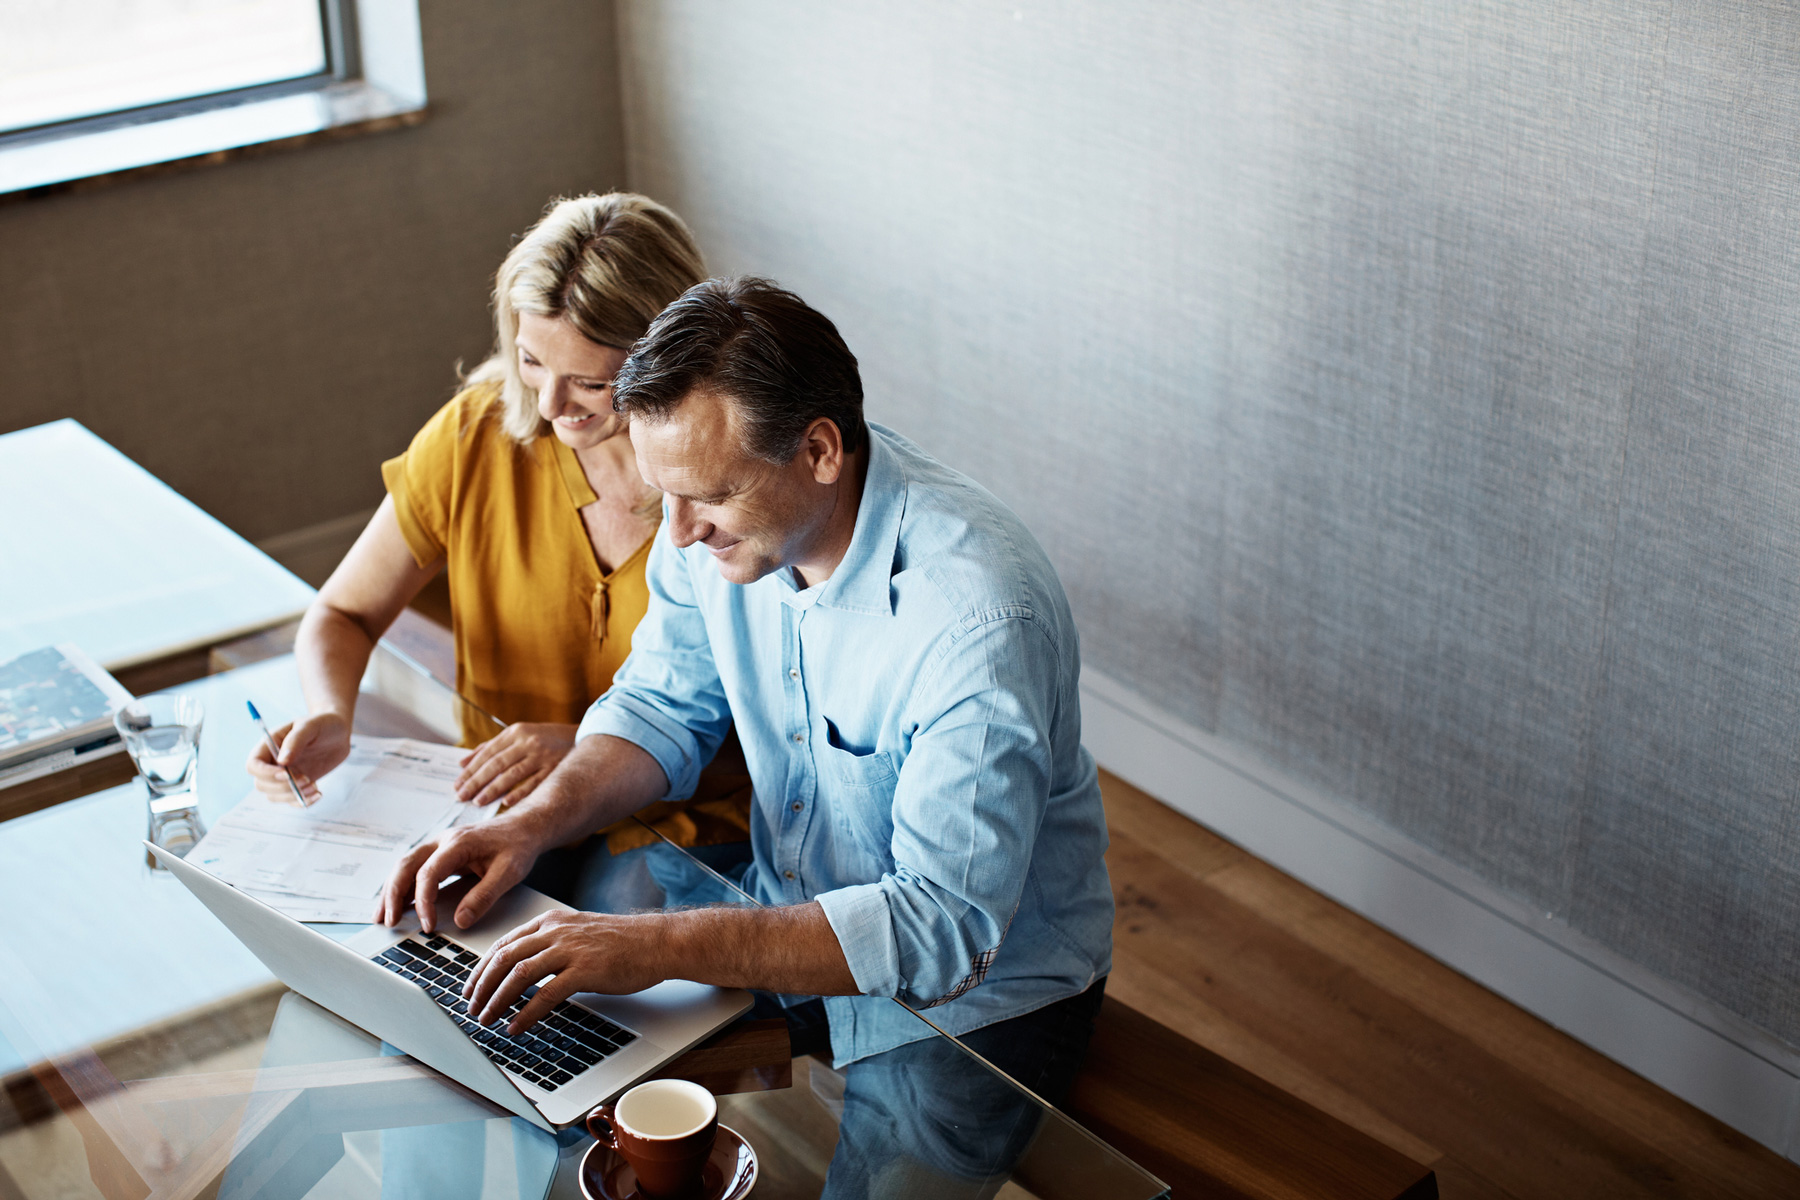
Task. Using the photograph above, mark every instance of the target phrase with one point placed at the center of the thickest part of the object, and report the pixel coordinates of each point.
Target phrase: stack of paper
(329, 862)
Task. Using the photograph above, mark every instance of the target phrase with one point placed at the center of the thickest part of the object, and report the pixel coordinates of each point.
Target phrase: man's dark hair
(778, 360)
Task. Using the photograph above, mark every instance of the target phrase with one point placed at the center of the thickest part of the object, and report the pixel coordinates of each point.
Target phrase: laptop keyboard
(568, 1040)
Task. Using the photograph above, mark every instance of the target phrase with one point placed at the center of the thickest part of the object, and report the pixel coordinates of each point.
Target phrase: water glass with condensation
(162, 735)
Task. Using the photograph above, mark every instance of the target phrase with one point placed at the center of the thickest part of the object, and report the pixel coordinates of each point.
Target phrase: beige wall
(1406, 392)
(263, 333)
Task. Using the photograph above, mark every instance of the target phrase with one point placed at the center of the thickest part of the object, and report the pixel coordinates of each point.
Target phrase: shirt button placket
(802, 775)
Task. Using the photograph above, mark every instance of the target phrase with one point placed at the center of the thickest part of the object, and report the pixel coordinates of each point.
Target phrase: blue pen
(275, 752)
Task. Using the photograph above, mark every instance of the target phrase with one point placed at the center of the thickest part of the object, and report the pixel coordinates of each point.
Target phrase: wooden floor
(1245, 960)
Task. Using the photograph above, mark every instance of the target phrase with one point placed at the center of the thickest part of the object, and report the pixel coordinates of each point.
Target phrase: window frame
(374, 79)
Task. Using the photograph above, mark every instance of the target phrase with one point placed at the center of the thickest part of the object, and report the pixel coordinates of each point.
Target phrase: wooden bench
(1207, 1127)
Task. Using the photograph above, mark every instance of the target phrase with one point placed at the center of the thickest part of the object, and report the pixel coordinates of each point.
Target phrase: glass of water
(162, 735)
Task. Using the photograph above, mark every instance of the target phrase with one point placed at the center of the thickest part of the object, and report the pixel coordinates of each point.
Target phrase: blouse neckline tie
(599, 609)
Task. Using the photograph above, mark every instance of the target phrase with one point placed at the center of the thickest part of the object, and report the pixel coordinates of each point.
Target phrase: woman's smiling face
(572, 377)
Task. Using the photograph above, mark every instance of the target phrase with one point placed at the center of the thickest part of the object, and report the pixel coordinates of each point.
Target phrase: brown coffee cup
(665, 1129)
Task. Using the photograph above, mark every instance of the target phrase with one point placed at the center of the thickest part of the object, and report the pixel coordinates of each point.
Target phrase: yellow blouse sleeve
(422, 481)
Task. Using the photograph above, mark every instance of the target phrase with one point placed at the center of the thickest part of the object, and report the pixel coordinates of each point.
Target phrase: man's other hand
(500, 853)
(583, 952)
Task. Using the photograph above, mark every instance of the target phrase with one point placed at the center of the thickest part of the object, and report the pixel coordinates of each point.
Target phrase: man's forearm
(602, 780)
(790, 949)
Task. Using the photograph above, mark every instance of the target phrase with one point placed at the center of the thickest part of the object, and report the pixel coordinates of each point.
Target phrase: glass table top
(145, 1052)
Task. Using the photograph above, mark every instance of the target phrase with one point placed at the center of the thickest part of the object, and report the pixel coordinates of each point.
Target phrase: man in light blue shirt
(902, 668)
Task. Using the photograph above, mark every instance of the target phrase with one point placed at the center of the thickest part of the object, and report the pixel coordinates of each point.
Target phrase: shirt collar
(861, 581)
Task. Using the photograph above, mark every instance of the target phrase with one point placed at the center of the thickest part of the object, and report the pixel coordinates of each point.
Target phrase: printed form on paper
(329, 862)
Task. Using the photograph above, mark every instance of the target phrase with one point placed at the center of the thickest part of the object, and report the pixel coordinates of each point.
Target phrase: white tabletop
(96, 551)
(100, 944)
(86, 905)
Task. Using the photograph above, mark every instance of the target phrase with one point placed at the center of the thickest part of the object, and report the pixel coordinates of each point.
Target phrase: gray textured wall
(263, 333)
(1404, 390)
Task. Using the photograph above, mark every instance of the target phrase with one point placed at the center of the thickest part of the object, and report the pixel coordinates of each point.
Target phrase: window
(95, 87)
(66, 59)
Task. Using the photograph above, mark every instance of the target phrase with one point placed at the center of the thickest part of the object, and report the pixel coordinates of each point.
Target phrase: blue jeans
(591, 878)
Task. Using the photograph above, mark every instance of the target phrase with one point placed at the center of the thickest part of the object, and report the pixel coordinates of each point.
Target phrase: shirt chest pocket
(857, 791)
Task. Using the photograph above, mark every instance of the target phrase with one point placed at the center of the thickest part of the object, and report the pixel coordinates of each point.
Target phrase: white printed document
(330, 861)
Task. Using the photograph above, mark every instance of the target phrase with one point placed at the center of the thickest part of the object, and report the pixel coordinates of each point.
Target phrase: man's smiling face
(754, 516)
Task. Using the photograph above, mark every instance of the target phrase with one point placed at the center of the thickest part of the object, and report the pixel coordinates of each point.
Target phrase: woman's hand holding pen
(309, 748)
(508, 767)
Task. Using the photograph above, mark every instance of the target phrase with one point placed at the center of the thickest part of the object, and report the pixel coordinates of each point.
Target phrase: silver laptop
(405, 986)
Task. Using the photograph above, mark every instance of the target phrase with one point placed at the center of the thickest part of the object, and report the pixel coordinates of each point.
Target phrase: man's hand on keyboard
(583, 952)
(565, 1043)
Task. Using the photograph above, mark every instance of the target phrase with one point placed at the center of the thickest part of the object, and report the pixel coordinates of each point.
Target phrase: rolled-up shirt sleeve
(666, 698)
(859, 917)
(967, 806)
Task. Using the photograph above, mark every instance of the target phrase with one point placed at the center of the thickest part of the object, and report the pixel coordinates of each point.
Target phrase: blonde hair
(607, 264)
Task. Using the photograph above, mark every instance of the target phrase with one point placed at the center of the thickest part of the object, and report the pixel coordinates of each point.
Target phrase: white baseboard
(314, 552)
(1685, 1044)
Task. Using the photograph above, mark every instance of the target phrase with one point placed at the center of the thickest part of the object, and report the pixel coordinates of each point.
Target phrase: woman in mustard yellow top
(525, 490)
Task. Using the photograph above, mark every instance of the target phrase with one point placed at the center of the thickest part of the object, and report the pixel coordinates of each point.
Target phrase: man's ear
(823, 449)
